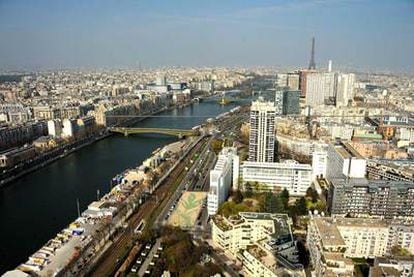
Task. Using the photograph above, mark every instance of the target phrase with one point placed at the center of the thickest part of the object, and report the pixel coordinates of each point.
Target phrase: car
(160, 248)
(156, 255)
(139, 261)
(144, 254)
(134, 268)
(148, 246)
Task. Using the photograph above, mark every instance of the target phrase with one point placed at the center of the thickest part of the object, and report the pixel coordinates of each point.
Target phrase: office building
(262, 132)
(291, 103)
(345, 161)
(275, 177)
(221, 179)
(279, 101)
(262, 241)
(359, 197)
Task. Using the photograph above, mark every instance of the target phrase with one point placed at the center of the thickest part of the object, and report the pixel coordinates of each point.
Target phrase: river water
(37, 206)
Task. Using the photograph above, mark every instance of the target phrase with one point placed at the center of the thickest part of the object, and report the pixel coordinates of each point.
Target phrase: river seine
(37, 206)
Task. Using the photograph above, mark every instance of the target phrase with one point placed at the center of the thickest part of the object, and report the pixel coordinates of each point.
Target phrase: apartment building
(17, 135)
(359, 197)
(262, 241)
(326, 248)
(275, 177)
(332, 241)
(262, 132)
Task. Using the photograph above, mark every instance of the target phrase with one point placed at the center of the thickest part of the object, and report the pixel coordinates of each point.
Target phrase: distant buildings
(287, 102)
(320, 88)
(16, 155)
(263, 242)
(21, 134)
(328, 88)
(262, 132)
(54, 127)
(291, 102)
(275, 177)
(222, 178)
(70, 128)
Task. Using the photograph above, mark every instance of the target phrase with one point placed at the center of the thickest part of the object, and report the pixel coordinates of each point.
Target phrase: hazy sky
(38, 34)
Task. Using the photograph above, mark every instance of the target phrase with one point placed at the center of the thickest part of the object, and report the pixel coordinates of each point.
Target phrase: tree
(272, 204)
(284, 197)
(312, 194)
(217, 145)
(300, 205)
(248, 192)
(237, 197)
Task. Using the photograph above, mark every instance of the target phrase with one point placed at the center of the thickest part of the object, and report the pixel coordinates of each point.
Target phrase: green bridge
(163, 131)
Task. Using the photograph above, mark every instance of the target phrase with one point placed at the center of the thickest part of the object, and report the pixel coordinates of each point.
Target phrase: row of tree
(271, 203)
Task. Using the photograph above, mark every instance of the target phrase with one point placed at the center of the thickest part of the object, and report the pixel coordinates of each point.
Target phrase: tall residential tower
(262, 132)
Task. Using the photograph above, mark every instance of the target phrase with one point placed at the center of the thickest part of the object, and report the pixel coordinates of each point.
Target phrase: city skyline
(66, 34)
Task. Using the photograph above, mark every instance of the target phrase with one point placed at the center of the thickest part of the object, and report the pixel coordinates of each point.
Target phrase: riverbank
(71, 148)
(36, 206)
(88, 236)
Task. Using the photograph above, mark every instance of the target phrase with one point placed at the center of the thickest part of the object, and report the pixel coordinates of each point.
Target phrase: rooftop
(329, 232)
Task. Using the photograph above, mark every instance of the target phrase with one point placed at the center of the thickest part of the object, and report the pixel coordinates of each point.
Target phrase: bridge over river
(164, 131)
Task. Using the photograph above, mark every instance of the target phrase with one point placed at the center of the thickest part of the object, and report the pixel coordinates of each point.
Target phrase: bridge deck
(164, 131)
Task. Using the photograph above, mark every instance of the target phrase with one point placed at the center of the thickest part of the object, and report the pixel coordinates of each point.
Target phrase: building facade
(344, 161)
(371, 198)
(262, 241)
(275, 177)
(221, 179)
(262, 132)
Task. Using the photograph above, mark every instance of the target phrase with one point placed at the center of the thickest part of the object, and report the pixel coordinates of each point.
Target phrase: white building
(344, 88)
(221, 179)
(344, 160)
(54, 127)
(319, 163)
(262, 132)
(260, 241)
(320, 86)
(70, 128)
(360, 237)
(290, 175)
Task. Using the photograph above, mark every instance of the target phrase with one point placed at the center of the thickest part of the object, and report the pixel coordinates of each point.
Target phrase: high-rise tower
(312, 64)
(262, 132)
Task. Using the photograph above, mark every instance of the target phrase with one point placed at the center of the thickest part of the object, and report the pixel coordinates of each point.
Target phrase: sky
(55, 34)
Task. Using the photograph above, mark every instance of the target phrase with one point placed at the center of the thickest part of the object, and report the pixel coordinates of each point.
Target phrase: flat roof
(329, 232)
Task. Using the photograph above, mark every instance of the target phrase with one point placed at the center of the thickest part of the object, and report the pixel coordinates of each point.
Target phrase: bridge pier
(126, 133)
